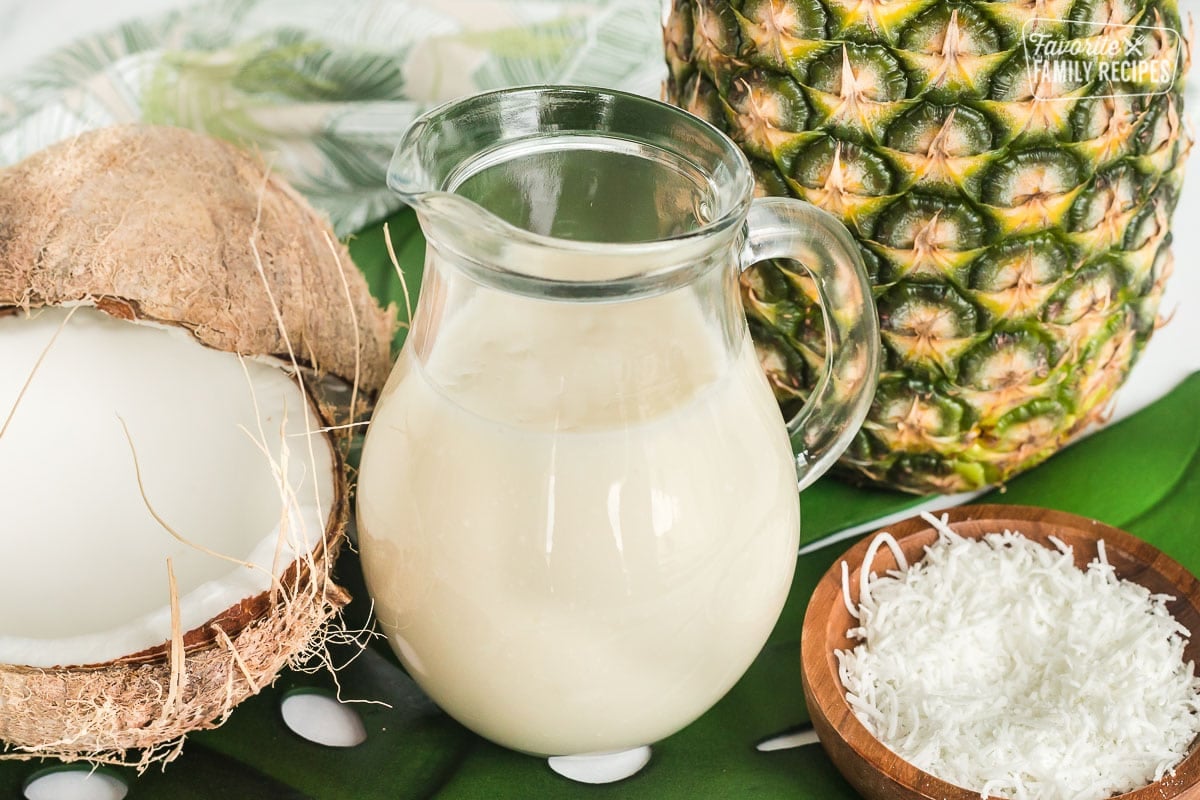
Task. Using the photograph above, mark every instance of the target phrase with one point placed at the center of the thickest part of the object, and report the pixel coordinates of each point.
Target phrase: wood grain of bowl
(875, 771)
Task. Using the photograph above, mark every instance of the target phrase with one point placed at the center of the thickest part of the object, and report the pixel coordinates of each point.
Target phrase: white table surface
(34, 27)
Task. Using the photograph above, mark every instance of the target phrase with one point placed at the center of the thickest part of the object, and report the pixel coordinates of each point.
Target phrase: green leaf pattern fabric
(324, 90)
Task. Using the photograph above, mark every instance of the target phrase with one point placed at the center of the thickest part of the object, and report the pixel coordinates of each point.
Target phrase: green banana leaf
(1141, 474)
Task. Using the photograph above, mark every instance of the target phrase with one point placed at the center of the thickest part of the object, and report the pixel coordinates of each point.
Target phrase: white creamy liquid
(578, 522)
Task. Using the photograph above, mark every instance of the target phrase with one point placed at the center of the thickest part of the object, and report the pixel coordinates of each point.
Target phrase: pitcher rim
(741, 193)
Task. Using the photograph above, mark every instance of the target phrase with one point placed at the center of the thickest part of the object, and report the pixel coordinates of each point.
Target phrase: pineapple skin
(1014, 220)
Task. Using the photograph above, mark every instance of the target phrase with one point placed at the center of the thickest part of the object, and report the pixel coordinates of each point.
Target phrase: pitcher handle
(823, 428)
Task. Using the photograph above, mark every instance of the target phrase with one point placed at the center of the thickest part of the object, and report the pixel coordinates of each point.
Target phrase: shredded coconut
(999, 666)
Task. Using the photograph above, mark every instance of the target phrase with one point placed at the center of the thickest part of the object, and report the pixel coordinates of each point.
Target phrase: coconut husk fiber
(155, 222)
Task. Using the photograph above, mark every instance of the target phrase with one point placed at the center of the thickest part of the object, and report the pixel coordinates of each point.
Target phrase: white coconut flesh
(84, 578)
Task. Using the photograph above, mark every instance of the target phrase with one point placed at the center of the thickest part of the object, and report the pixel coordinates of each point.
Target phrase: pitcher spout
(408, 175)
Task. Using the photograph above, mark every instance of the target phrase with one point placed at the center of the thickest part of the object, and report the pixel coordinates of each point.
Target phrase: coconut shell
(157, 223)
(122, 713)
(169, 226)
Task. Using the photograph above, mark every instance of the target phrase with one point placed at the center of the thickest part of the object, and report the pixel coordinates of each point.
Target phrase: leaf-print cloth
(325, 90)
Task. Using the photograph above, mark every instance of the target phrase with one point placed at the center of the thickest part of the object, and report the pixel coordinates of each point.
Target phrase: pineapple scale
(1014, 218)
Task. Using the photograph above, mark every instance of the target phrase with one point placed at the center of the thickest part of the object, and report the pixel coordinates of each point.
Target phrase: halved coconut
(173, 494)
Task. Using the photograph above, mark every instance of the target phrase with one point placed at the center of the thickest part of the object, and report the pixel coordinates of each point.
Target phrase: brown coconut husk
(168, 226)
(157, 223)
(126, 712)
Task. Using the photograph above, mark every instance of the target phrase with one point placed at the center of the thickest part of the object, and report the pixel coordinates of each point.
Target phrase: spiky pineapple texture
(1011, 206)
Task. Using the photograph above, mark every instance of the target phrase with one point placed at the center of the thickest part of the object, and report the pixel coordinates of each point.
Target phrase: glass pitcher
(577, 505)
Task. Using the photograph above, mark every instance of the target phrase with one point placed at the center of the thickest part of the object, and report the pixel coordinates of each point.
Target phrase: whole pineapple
(1010, 194)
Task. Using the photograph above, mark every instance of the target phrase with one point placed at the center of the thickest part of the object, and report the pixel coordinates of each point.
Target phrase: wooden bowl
(871, 768)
